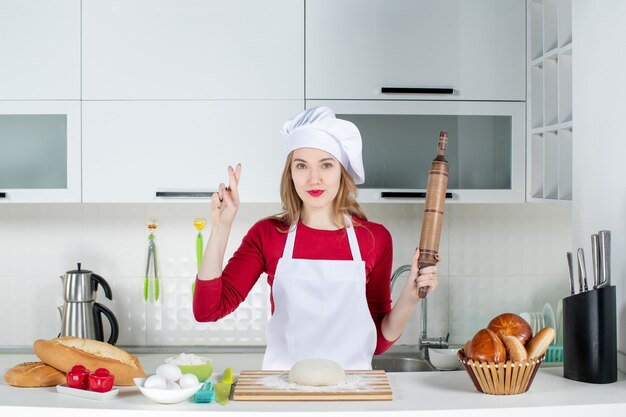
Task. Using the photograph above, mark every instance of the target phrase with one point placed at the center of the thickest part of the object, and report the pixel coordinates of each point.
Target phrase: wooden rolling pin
(433, 209)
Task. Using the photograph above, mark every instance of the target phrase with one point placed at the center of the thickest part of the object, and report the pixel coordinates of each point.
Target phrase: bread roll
(467, 348)
(509, 324)
(34, 374)
(486, 346)
(540, 343)
(515, 351)
(65, 352)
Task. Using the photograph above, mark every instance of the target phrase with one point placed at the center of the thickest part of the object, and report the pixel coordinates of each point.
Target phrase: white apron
(320, 310)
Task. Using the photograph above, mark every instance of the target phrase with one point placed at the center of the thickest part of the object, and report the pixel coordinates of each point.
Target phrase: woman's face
(316, 176)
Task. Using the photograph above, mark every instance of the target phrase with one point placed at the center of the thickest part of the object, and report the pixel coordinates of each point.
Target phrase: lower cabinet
(155, 151)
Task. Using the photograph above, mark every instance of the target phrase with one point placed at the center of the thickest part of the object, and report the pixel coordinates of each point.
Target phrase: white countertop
(414, 393)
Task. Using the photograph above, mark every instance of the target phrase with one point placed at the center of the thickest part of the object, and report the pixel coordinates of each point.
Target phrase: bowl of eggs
(169, 385)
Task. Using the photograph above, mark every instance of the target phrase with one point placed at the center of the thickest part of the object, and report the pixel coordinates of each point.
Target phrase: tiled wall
(495, 258)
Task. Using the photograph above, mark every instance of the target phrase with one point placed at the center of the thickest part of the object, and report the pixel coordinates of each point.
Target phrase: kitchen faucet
(424, 341)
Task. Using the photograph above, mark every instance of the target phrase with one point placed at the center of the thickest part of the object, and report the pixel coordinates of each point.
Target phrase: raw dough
(316, 372)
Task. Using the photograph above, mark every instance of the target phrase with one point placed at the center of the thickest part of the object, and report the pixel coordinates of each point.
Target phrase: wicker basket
(501, 378)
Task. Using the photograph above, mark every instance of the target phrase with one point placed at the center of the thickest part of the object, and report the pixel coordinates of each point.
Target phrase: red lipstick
(315, 193)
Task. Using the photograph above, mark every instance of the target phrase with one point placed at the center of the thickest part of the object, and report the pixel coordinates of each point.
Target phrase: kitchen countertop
(414, 393)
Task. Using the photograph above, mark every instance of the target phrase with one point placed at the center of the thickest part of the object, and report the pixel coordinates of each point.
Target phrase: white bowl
(444, 359)
(165, 396)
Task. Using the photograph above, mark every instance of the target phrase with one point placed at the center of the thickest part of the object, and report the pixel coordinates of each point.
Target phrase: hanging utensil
(199, 223)
(152, 257)
(570, 268)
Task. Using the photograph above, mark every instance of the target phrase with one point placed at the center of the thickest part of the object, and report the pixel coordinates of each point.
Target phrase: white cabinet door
(40, 151)
(134, 149)
(39, 49)
(476, 48)
(197, 49)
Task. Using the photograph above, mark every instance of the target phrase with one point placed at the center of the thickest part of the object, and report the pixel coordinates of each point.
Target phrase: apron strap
(352, 240)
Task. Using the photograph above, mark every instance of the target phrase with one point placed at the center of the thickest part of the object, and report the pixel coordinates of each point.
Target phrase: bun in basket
(486, 346)
(540, 343)
(34, 374)
(515, 351)
(65, 352)
(509, 324)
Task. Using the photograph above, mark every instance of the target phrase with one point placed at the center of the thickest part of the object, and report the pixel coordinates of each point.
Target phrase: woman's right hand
(225, 202)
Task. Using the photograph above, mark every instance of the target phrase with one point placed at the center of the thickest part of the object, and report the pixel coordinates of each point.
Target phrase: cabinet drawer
(134, 149)
(475, 48)
(165, 49)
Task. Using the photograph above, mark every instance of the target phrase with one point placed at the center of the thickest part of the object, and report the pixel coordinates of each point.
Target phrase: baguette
(34, 374)
(65, 352)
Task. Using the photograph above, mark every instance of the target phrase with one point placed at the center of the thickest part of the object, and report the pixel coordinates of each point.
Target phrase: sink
(401, 364)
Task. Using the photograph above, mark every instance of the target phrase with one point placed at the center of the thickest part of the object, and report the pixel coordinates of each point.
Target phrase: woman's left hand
(419, 278)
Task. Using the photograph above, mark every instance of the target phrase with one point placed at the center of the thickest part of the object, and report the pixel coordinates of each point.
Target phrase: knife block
(590, 336)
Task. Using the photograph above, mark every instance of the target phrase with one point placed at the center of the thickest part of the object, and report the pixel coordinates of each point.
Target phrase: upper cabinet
(39, 50)
(166, 150)
(416, 49)
(167, 49)
(40, 151)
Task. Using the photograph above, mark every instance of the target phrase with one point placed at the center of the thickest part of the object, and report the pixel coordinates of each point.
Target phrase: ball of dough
(316, 372)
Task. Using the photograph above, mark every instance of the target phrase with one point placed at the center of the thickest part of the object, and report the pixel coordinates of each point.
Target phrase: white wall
(599, 111)
(496, 258)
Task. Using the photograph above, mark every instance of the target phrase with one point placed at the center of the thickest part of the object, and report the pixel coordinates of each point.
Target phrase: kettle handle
(97, 279)
(99, 309)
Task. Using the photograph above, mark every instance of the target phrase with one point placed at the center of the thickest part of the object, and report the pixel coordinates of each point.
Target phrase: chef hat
(319, 128)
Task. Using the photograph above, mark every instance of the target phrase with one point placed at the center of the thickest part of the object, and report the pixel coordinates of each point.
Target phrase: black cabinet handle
(184, 194)
(424, 90)
(3, 195)
(407, 194)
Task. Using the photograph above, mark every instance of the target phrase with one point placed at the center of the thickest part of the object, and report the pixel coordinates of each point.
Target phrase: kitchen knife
(595, 259)
(570, 268)
(582, 271)
(604, 243)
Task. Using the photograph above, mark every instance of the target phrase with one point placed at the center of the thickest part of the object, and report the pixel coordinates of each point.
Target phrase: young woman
(328, 267)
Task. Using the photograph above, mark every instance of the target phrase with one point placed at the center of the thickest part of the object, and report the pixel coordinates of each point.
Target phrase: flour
(352, 383)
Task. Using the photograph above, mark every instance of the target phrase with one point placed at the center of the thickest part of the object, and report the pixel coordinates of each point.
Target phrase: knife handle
(582, 273)
(570, 268)
(595, 259)
(604, 243)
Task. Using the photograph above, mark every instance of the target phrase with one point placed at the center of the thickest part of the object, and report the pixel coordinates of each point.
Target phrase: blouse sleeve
(216, 298)
(378, 288)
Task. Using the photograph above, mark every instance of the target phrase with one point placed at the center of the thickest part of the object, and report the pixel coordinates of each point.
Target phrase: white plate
(83, 393)
(548, 316)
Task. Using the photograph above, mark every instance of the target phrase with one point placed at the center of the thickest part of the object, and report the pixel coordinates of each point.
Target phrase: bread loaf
(65, 352)
(540, 343)
(515, 351)
(486, 346)
(509, 324)
(34, 374)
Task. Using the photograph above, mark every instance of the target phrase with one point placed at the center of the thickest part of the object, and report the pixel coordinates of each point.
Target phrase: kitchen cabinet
(550, 123)
(485, 148)
(133, 150)
(40, 50)
(217, 49)
(40, 151)
(475, 49)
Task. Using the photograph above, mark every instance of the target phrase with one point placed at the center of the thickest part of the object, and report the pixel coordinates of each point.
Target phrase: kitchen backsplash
(496, 258)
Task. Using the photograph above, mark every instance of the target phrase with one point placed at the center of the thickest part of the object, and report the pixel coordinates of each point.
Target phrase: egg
(188, 381)
(172, 386)
(171, 373)
(155, 381)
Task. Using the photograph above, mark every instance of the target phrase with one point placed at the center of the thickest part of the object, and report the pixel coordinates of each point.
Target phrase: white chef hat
(319, 128)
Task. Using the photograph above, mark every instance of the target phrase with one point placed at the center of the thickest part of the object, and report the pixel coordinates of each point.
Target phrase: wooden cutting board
(275, 386)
